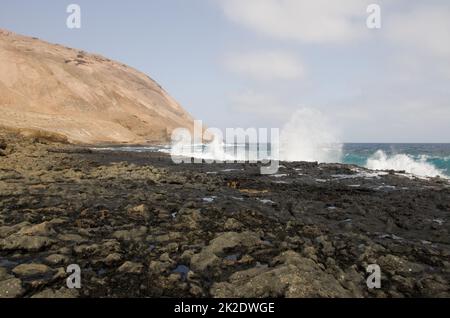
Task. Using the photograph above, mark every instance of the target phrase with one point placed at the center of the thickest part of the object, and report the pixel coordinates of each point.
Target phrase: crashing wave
(402, 162)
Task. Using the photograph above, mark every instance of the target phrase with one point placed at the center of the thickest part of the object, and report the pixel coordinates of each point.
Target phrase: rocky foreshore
(139, 225)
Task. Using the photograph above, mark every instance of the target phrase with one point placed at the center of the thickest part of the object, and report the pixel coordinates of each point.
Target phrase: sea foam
(307, 136)
(310, 136)
(402, 162)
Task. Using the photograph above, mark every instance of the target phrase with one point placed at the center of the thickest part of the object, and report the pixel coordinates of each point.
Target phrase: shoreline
(139, 225)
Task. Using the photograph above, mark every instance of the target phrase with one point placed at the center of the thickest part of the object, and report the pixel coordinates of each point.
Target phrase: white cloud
(395, 117)
(421, 37)
(396, 89)
(425, 29)
(266, 65)
(318, 21)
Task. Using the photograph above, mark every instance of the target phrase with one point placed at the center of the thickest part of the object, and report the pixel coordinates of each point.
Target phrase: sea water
(309, 135)
(418, 159)
(425, 160)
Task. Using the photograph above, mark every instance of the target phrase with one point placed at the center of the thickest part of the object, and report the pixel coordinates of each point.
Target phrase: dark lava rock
(139, 225)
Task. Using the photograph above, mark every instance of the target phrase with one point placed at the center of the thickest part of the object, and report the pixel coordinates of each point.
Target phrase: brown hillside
(86, 97)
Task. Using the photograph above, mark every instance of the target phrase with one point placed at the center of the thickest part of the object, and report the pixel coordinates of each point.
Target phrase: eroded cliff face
(85, 97)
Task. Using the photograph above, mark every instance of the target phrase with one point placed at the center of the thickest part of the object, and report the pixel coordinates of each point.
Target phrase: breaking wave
(310, 136)
(401, 162)
(214, 150)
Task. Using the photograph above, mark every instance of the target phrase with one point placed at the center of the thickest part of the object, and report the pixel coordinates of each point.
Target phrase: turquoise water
(435, 155)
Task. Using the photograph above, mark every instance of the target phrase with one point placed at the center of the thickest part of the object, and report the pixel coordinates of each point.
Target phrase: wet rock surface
(140, 226)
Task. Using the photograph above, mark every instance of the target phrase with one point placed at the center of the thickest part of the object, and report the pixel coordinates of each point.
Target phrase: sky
(254, 63)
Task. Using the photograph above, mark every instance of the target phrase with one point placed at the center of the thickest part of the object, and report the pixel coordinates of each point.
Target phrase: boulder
(112, 258)
(25, 242)
(56, 259)
(11, 288)
(42, 229)
(398, 265)
(295, 277)
(139, 212)
(131, 268)
(209, 255)
(29, 270)
(232, 225)
(8, 230)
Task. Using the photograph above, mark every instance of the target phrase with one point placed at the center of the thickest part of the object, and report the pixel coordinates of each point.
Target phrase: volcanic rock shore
(139, 225)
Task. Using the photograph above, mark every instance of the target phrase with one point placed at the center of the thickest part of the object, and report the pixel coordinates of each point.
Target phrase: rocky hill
(85, 97)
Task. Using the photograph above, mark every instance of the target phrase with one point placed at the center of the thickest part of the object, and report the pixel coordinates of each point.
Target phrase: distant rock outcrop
(85, 97)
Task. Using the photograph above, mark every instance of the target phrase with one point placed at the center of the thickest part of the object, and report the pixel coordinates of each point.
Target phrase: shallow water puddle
(6, 263)
(265, 201)
(280, 175)
(183, 270)
(391, 236)
(438, 221)
(232, 257)
(209, 199)
(385, 187)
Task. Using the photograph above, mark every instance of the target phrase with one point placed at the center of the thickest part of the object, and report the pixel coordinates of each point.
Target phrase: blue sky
(253, 63)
